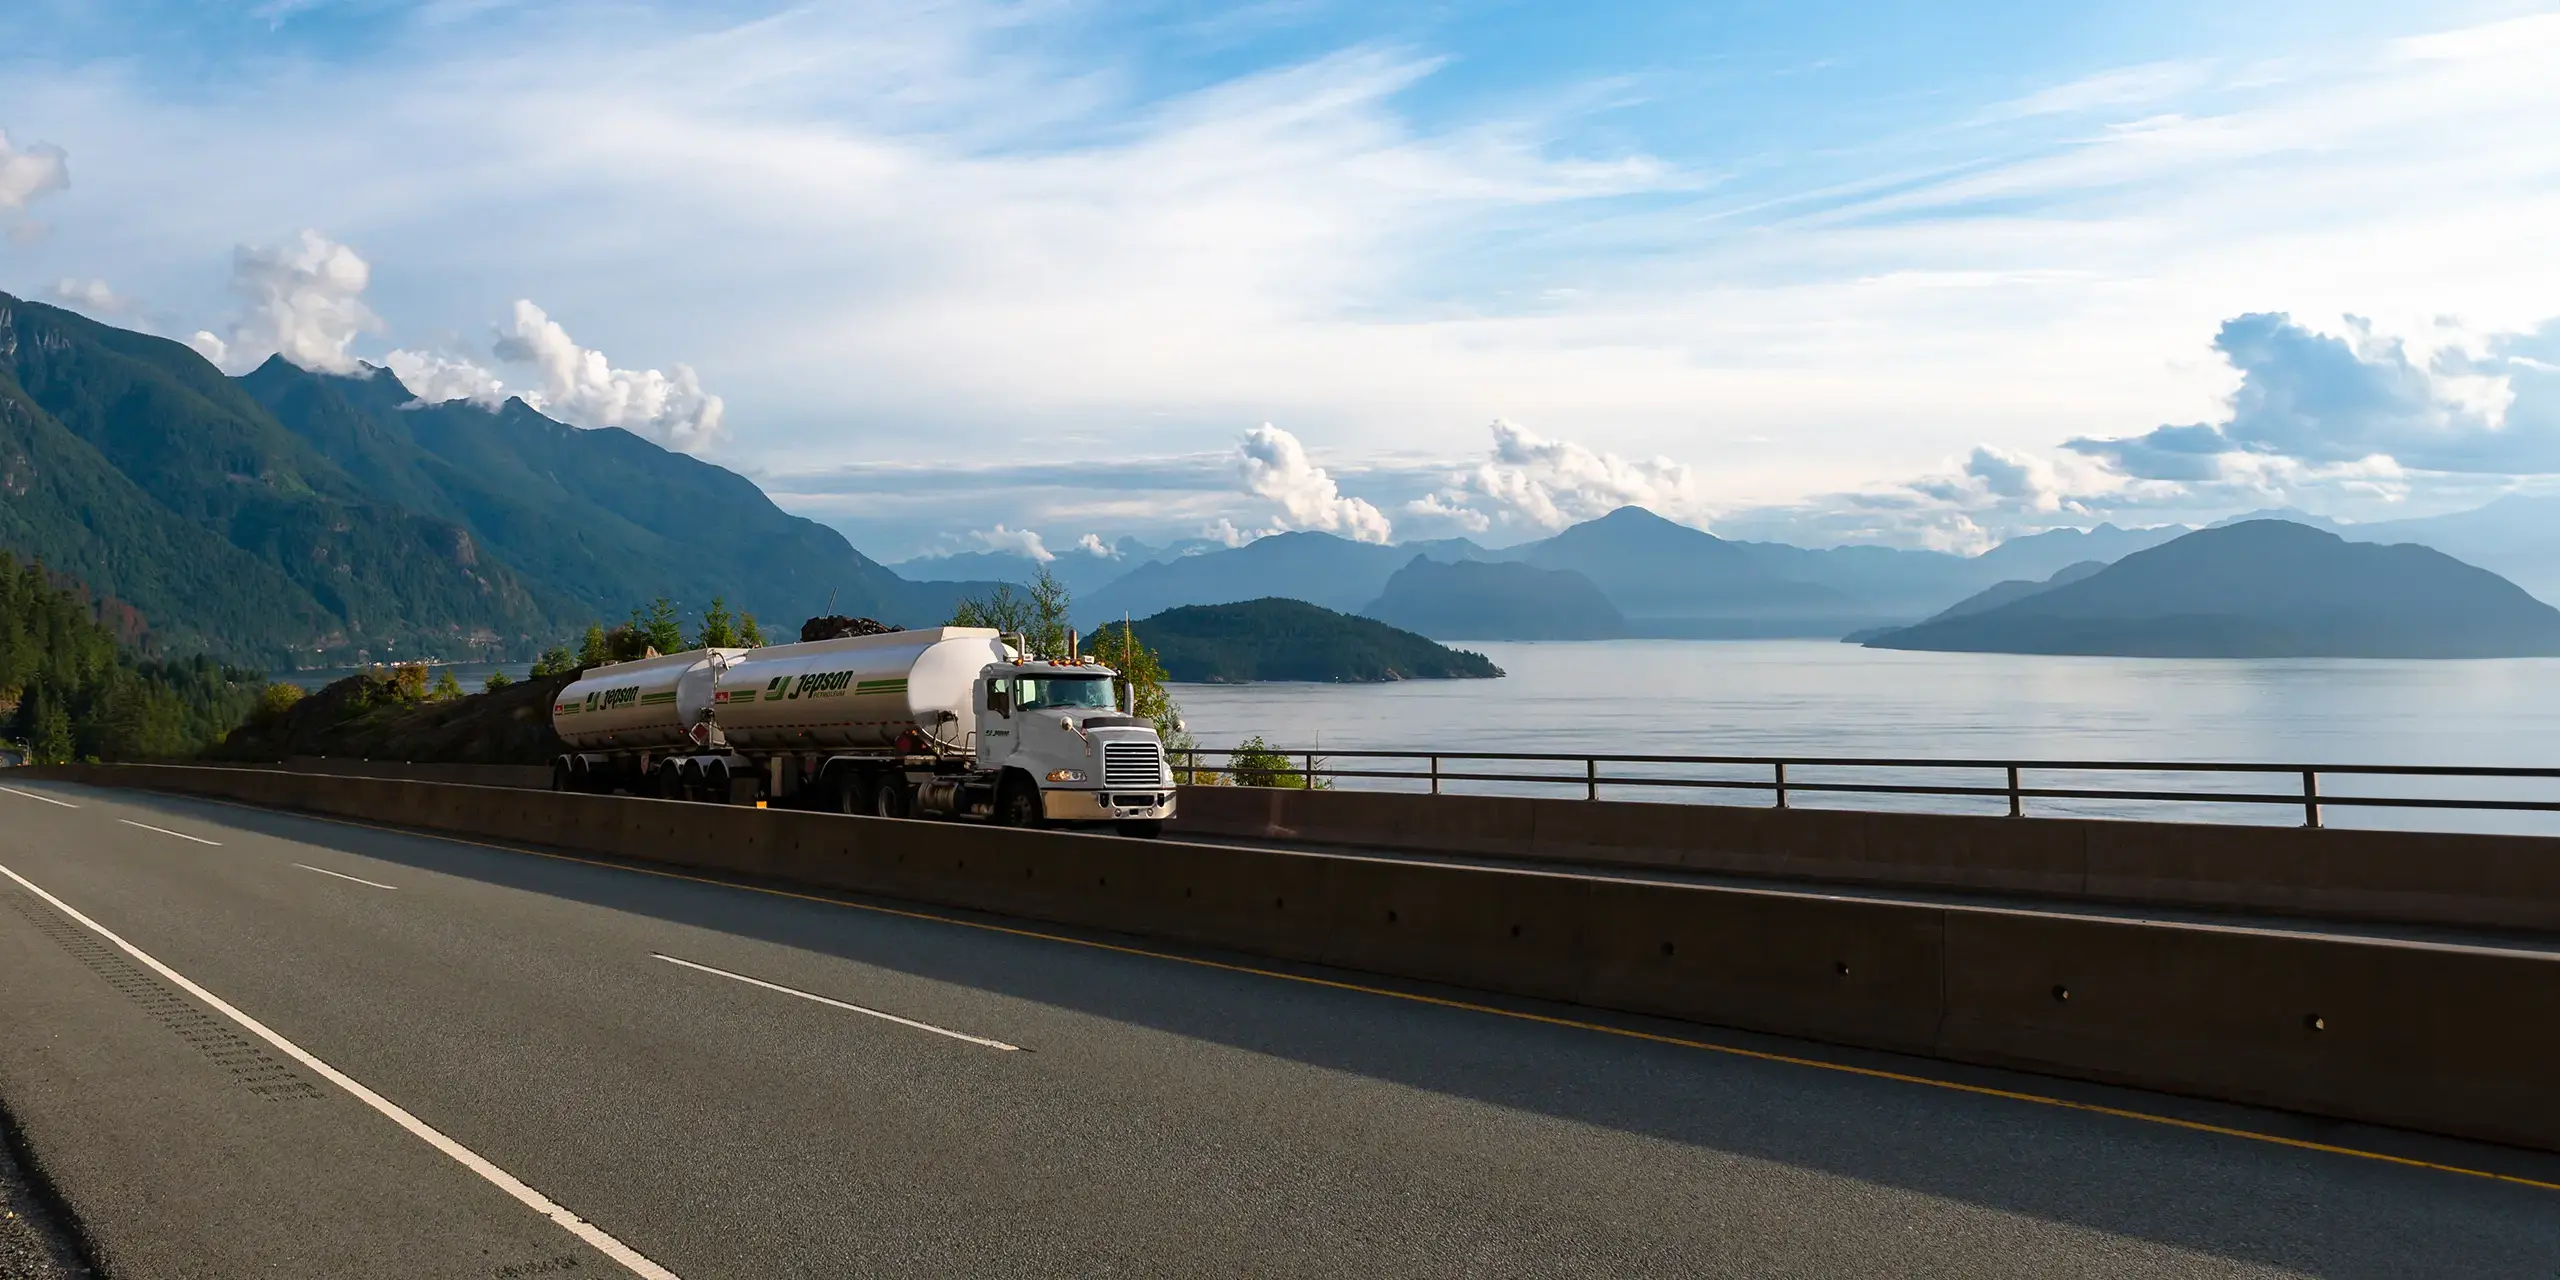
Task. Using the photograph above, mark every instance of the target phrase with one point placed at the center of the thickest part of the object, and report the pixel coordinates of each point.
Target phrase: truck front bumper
(1107, 806)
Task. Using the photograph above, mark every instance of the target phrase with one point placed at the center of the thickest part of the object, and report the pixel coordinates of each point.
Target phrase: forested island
(1276, 639)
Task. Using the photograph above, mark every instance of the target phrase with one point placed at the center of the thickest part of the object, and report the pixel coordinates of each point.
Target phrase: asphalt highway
(241, 1043)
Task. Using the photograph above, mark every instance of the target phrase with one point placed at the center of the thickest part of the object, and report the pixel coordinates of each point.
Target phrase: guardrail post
(1435, 775)
(1591, 774)
(2017, 803)
(1779, 768)
(1311, 771)
(2310, 798)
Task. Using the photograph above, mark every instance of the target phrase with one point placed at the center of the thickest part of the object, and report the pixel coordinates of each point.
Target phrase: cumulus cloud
(581, 387)
(2358, 403)
(1276, 468)
(1020, 542)
(436, 379)
(1433, 506)
(28, 173)
(1548, 484)
(93, 296)
(303, 300)
(1092, 544)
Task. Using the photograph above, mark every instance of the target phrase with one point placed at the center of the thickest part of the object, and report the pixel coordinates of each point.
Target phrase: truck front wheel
(1018, 802)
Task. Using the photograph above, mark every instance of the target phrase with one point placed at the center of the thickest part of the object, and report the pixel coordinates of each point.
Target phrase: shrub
(1255, 764)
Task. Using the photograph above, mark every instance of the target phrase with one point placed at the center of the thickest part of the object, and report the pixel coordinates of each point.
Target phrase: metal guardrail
(1299, 765)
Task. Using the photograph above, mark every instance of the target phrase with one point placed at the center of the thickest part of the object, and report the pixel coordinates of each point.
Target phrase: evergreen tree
(593, 651)
(660, 627)
(717, 629)
(1040, 618)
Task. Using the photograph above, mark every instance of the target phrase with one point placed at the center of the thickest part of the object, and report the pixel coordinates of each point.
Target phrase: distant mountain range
(290, 516)
(2258, 589)
(1662, 578)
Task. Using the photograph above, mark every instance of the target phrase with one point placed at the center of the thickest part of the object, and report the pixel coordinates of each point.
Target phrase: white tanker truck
(951, 722)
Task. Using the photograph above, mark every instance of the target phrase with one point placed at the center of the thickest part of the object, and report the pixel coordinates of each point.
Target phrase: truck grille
(1132, 764)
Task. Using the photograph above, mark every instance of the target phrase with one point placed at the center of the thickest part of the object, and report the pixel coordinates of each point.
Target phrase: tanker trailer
(947, 722)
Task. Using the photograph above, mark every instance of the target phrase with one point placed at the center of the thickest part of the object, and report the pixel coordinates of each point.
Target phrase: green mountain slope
(172, 586)
(388, 579)
(600, 518)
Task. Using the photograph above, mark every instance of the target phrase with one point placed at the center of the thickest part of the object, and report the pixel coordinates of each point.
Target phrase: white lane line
(839, 1004)
(167, 832)
(33, 796)
(629, 1257)
(344, 876)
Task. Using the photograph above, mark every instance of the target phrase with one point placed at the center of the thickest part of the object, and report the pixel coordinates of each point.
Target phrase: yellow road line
(1873, 1073)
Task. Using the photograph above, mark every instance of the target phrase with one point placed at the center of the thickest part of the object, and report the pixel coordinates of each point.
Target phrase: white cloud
(2360, 404)
(1433, 506)
(581, 387)
(1276, 468)
(29, 172)
(303, 300)
(1548, 484)
(1092, 544)
(93, 296)
(1020, 542)
(435, 379)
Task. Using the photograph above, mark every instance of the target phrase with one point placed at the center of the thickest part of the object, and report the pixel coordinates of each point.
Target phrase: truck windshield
(1040, 692)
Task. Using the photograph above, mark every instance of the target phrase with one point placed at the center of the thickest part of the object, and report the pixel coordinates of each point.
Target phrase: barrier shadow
(2228, 1197)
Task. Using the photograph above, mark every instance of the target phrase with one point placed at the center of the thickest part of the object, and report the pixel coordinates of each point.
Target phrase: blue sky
(942, 273)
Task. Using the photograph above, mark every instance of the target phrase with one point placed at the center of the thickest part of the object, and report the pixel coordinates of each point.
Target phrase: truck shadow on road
(2229, 1197)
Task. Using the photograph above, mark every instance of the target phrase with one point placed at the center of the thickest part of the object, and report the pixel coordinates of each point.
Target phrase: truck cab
(1065, 751)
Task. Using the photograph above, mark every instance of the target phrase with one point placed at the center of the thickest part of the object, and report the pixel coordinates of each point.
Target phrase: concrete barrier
(2401, 877)
(536, 776)
(2449, 1039)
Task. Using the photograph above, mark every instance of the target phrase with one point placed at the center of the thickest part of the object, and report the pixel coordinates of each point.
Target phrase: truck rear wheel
(1018, 802)
(891, 798)
(560, 775)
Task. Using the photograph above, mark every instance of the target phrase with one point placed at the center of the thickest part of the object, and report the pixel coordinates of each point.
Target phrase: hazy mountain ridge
(1495, 600)
(1318, 568)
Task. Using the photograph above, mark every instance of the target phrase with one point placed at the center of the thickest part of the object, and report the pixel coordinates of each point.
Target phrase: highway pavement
(241, 1043)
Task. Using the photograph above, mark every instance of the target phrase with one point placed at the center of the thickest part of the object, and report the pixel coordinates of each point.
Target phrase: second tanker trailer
(943, 722)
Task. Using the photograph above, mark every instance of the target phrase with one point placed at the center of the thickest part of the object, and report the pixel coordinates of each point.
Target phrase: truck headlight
(1066, 775)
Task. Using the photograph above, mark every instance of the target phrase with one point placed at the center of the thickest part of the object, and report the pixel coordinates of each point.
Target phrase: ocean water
(1802, 698)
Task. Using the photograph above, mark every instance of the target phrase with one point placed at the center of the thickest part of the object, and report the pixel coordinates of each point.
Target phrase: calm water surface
(1814, 698)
